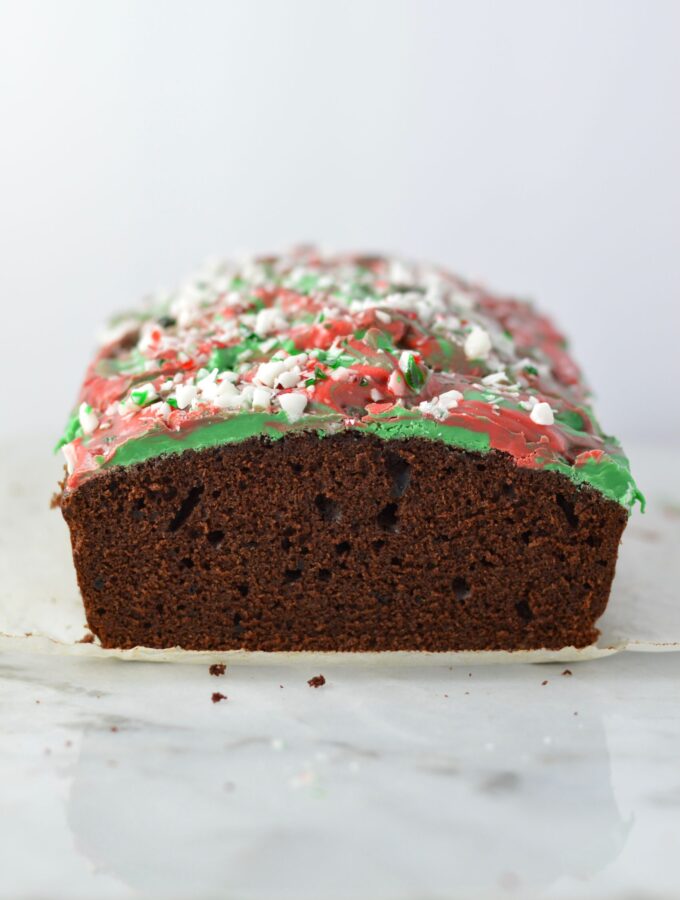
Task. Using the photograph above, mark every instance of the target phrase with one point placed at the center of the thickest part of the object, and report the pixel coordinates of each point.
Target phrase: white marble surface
(122, 779)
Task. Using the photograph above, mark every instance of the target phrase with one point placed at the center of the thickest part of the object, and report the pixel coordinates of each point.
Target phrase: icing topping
(305, 342)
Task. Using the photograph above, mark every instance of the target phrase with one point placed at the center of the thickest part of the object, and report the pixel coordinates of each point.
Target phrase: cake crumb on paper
(217, 669)
(217, 696)
(317, 681)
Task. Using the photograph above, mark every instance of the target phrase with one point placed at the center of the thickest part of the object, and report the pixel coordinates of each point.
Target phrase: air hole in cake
(381, 598)
(387, 517)
(400, 472)
(101, 611)
(325, 574)
(243, 590)
(508, 489)
(461, 589)
(215, 537)
(379, 544)
(186, 562)
(286, 544)
(296, 467)
(238, 628)
(524, 611)
(216, 494)
(292, 575)
(188, 506)
(593, 541)
(526, 537)
(568, 510)
(98, 584)
(343, 547)
(329, 509)
(396, 561)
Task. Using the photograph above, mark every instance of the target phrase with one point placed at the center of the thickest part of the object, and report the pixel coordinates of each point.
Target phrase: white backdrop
(534, 144)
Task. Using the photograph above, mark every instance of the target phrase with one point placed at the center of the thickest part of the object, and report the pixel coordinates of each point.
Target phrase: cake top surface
(306, 342)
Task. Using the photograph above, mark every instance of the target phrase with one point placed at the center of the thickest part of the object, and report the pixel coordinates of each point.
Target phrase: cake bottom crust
(341, 543)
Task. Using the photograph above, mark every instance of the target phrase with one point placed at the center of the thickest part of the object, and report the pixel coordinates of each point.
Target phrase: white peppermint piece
(293, 405)
(396, 383)
(235, 400)
(432, 408)
(70, 456)
(269, 321)
(296, 359)
(269, 344)
(262, 398)
(148, 391)
(289, 379)
(267, 373)
(450, 399)
(88, 418)
(495, 378)
(404, 359)
(477, 343)
(542, 414)
(185, 394)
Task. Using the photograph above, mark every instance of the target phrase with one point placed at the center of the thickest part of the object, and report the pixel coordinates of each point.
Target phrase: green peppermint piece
(414, 375)
(139, 397)
(223, 358)
(384, 342)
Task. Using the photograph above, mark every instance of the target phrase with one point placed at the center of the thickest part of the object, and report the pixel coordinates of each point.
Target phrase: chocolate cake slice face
(346, 543)
(352, 454)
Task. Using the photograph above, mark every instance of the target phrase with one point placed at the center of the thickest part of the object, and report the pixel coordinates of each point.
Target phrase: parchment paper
(41, 610)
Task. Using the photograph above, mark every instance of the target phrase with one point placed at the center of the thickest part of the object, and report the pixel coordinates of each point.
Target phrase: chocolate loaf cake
(347, 453)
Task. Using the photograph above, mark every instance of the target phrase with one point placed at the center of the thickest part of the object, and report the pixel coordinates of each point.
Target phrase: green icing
(414, 425)
(247, 425)
(610, 475)
(211, 434)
